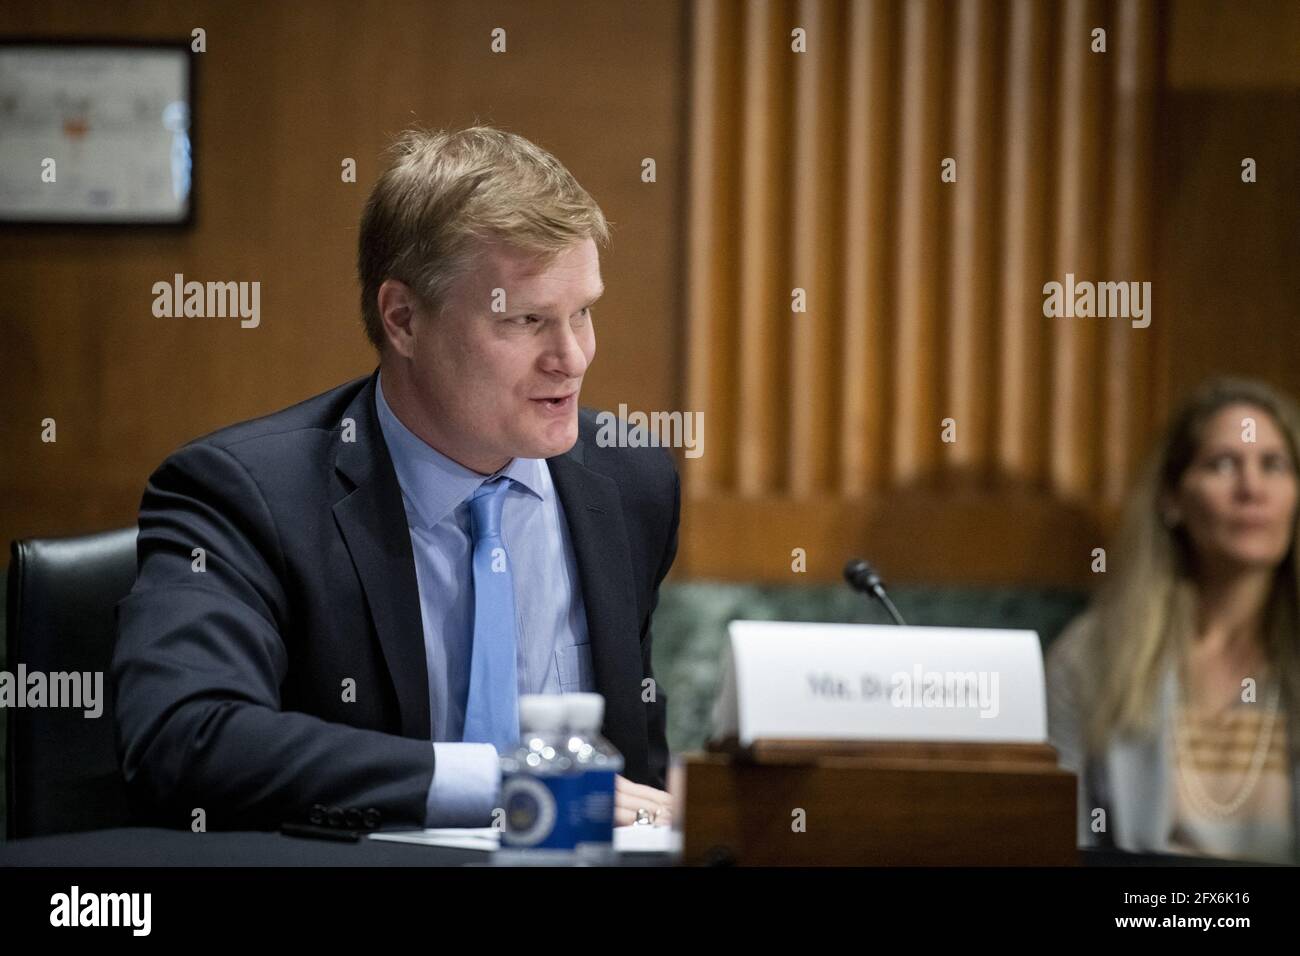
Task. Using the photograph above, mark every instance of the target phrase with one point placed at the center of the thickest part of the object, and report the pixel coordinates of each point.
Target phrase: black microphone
(863, 577)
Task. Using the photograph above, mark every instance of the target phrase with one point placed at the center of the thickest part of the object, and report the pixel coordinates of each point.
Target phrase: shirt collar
(434, 484)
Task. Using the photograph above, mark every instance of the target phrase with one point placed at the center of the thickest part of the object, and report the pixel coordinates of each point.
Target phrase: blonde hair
(445, 193)
(1146, 610)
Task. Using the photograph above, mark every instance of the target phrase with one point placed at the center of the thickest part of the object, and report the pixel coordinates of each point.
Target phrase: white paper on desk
(629, 839)
(791, 681)
(647, 839)
(461, 838)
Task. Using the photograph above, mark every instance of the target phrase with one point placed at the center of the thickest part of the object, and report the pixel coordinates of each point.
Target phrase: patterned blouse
(1231, 785)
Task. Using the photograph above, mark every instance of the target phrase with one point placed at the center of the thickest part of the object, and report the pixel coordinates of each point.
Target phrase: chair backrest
(61, 767)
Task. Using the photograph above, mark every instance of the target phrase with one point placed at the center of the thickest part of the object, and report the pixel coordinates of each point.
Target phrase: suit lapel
(593, 509)
(372, 520)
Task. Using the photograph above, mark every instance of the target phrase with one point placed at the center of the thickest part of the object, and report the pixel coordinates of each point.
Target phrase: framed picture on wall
(96, 132)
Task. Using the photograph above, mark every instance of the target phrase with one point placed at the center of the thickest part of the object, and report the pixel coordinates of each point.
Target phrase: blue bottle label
(543, 813)
(598, 806)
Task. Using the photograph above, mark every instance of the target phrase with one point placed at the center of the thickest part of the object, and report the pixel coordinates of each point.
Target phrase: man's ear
(398, 306)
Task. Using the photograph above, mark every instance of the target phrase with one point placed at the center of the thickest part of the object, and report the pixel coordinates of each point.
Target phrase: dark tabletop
(141, 846)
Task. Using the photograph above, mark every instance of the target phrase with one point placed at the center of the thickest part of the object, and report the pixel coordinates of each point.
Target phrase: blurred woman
(1175, 697)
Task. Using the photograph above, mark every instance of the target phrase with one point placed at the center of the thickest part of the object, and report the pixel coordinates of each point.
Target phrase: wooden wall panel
(868, 208)
(710, 319)
(969, 346)
(814, 179)
(285, 92)
(1130, 412)
(762, 314)
(1029, 95)
(931, 307)
(1228, 252)
(773, 173)
(1081, 131)
(920, 232)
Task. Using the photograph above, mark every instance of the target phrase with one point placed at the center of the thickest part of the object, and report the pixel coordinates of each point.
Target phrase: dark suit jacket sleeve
(200, 660)
(657, 712)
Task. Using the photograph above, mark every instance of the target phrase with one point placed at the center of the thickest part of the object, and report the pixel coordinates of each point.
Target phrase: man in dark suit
(338, 604)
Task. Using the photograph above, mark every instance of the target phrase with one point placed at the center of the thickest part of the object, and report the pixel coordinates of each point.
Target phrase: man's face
(496, 385)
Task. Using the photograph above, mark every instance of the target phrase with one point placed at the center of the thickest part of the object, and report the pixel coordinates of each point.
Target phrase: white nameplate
(792, 681)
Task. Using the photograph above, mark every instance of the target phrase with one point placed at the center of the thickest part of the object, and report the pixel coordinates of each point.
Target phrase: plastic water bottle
(541, 790)
(597, 762)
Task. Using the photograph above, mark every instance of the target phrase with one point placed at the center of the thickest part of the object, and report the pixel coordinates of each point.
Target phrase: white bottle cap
(541, 712)
(584, 711)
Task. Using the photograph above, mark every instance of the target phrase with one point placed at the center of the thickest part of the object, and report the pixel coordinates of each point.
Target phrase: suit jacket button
(317, 815)
(335, 816)
(372, 818)
(353, 817)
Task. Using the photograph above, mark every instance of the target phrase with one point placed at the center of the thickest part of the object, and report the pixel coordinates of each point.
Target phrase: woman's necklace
(1197, 795)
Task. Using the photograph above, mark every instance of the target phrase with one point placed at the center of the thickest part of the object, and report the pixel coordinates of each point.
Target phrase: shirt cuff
(466, 783)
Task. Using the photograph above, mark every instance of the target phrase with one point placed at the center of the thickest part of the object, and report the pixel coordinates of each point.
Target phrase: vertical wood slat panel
(930, 304)
(967, 341)
(706, 336)
(756, 423)
(916, 427)
(1021, 380)
(812, 452)
(865, 256)
(1074, 340)
(1130, 373)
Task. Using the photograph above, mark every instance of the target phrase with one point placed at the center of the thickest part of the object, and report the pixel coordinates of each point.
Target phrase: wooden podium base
(878, 803)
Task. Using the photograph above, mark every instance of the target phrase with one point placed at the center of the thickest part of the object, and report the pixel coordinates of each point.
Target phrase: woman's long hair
(1146, 610)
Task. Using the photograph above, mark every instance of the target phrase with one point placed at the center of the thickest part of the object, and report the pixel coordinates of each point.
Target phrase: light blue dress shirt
(554, 655)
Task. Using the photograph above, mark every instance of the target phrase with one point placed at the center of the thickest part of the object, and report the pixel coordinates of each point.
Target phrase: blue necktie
(492, 710)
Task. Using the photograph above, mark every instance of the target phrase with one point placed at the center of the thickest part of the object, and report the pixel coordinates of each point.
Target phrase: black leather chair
(61, 767)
